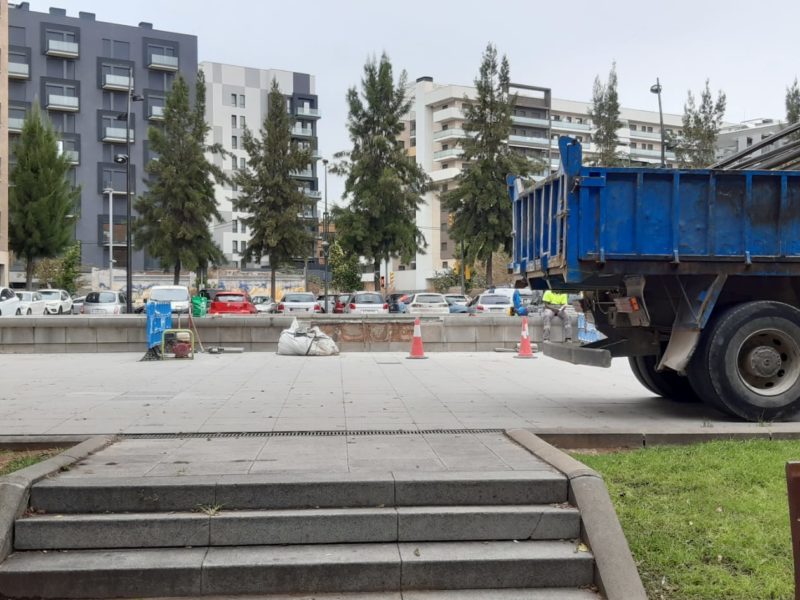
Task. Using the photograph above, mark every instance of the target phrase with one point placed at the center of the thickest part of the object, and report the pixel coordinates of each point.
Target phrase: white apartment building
(736, 137)
(237, 97)
(435, 125)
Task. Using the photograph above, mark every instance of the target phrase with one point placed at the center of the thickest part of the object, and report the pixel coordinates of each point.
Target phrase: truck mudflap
(577, 355)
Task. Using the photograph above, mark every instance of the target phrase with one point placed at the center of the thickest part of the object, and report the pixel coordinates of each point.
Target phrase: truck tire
(748, 361)
(667, 384)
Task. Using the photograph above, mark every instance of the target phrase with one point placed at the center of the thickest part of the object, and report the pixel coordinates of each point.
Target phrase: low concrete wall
(369, 333)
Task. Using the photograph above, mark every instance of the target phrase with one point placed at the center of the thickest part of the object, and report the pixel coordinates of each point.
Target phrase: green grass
(705, 522)
(11, 460)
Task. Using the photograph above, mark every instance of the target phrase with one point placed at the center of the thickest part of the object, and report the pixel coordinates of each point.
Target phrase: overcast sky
(751, 50)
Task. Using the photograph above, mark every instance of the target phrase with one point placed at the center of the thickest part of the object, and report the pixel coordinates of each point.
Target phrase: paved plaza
(264, 392)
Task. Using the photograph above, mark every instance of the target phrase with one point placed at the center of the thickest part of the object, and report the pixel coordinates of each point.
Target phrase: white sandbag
(304, 341)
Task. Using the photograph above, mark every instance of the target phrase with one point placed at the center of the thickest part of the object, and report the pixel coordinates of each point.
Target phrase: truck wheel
(668, 384)
(748, 361)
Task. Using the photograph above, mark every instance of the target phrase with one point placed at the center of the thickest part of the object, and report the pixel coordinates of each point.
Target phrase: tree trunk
(376, 268)
(489, 276)
(29, 273)
(176, 278)
(272, 290)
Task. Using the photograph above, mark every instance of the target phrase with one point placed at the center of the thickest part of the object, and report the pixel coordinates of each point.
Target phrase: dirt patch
(13, 460)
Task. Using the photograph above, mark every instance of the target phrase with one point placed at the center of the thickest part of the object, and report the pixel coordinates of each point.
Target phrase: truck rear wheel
(748, 361)
(668, 384)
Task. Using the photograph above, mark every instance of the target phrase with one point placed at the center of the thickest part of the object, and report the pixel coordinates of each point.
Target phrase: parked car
(30, 303)
(428, 304)
(176, 295)
(299, 302)
(341, 302)
(527, 297)
(367, 303)
(77, 304)
(56, 302)
(263, 304)
(455, 306)
(397, 302)
(236, 303)
(9, 303)
(456, 299)
(328, 304)
(104, 303)
(491, 304)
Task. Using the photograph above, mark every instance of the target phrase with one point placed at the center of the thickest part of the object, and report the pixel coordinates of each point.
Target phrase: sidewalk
(115, 393)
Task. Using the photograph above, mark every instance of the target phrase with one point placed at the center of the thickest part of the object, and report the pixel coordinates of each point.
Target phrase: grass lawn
(708, 521)
(14, 460)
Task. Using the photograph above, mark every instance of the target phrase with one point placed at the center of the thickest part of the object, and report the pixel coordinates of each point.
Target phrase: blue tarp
(159, 319)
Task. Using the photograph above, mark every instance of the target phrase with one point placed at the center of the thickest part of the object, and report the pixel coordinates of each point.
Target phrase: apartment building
(736, 137)
(434, 128)
(237, 98)
(4, 256)
(80, 71)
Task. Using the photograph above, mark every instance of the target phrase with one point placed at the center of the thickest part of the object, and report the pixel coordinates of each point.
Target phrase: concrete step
(311, 526)
(294, 569)
(297, 490)
(515, 594)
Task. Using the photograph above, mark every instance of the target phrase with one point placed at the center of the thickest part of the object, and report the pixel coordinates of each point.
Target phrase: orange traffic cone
(525, 350)
(416, 342)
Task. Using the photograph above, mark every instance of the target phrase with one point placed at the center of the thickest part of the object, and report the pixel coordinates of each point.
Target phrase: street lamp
(110, 191)
(656, 89)
(325, 242)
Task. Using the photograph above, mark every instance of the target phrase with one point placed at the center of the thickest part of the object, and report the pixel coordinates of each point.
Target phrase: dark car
(397, 302)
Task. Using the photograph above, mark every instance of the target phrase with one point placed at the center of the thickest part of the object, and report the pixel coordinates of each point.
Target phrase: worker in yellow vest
(556, 304)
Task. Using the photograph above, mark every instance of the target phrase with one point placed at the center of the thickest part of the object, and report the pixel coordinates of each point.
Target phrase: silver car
(428, 304)
(366, 303)
(31, 303)
(264, 304)
(299, 302)
(104, 303)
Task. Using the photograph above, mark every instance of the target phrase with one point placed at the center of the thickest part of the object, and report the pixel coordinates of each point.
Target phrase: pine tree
(479, 206)
(383, 183)
(605, 113)
(176, 212)
(345, 270)
(42, 203)
(269, 192)
(793, 106)
(696, 144)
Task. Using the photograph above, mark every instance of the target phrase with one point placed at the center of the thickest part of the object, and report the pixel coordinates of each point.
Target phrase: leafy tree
(793, 106)
(177, 210)
(695, 146)
(479, 206)
(384, 184)
(345, 269)
(41, 201)
(605, 117)
(269, 192)
(62, 272)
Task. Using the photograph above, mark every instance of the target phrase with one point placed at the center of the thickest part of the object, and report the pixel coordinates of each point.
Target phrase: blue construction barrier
(159, 319)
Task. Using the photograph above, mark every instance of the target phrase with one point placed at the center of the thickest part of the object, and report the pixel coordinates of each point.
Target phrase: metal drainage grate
(329, 433)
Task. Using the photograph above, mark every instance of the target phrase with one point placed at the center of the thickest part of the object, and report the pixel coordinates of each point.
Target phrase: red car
(231, 303)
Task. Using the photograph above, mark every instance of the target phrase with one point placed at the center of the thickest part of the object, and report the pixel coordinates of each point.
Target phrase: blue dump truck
(694, 275)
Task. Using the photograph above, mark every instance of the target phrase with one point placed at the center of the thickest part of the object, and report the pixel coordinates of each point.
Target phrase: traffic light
(383, 281)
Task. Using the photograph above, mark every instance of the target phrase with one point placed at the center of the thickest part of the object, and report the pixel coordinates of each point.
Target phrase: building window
(244, 228)
(242, 122)
(445, 187)
(569, 119)
(579, 120)
(233, 99)
(243, 247)
(242, 163)
(235, 226)
(649, 130)
(443, 226)
(241, 100)
(233, 121)
(235, 246)
(633, 145)
(556, 117)
(445, 147)
(445, 106)
(633, 127)
(234, 186)
(234, 142)
(414, 265)
(445, 127)
(445, 165)
(445, 265)
(444, 246)
(401, 268)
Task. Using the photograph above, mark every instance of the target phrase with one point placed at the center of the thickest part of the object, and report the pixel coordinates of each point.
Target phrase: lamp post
(325, 242)
(656, 89)
(110, 191)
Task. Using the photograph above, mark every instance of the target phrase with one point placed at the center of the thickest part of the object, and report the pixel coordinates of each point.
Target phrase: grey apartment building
(77, 69)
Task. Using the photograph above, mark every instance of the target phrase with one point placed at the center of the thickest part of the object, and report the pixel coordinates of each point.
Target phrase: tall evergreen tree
(481, 212)
(695, 146)
(42, 203)
(383, 183)
(793, 106)
(176, 212)
(605, 118)
(269, 192)
(345, 270)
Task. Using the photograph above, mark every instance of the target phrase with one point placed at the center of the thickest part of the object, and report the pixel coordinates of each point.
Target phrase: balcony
(162, 62)
(120, 83)
(15, 124)
(304, 173)
(448, 114)
(116, 135)
(645, 135)
(303, 132)
(66, 103)
(316, 194)
(444, 174)
(63, 49)
(531, 121)
(156, 113)
(449, 153)
(639, 153)
(449, 134)
(529, 142)
(73, 156)
(572, 127)
(18, 70)
(309, 113)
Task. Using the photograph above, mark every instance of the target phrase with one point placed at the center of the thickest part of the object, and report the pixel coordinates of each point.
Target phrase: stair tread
(488, 594)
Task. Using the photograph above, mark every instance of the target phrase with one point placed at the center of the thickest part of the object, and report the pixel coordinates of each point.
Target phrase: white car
(56, 302)
(31, 303)
(458, 299)
(299, 302)
(264, 304)
(367, 303)
(176, 295)
(491, 304)
(428, 304)
(9, 303)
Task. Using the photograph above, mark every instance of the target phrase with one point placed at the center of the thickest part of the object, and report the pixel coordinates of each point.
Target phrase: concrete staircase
(506, 535)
